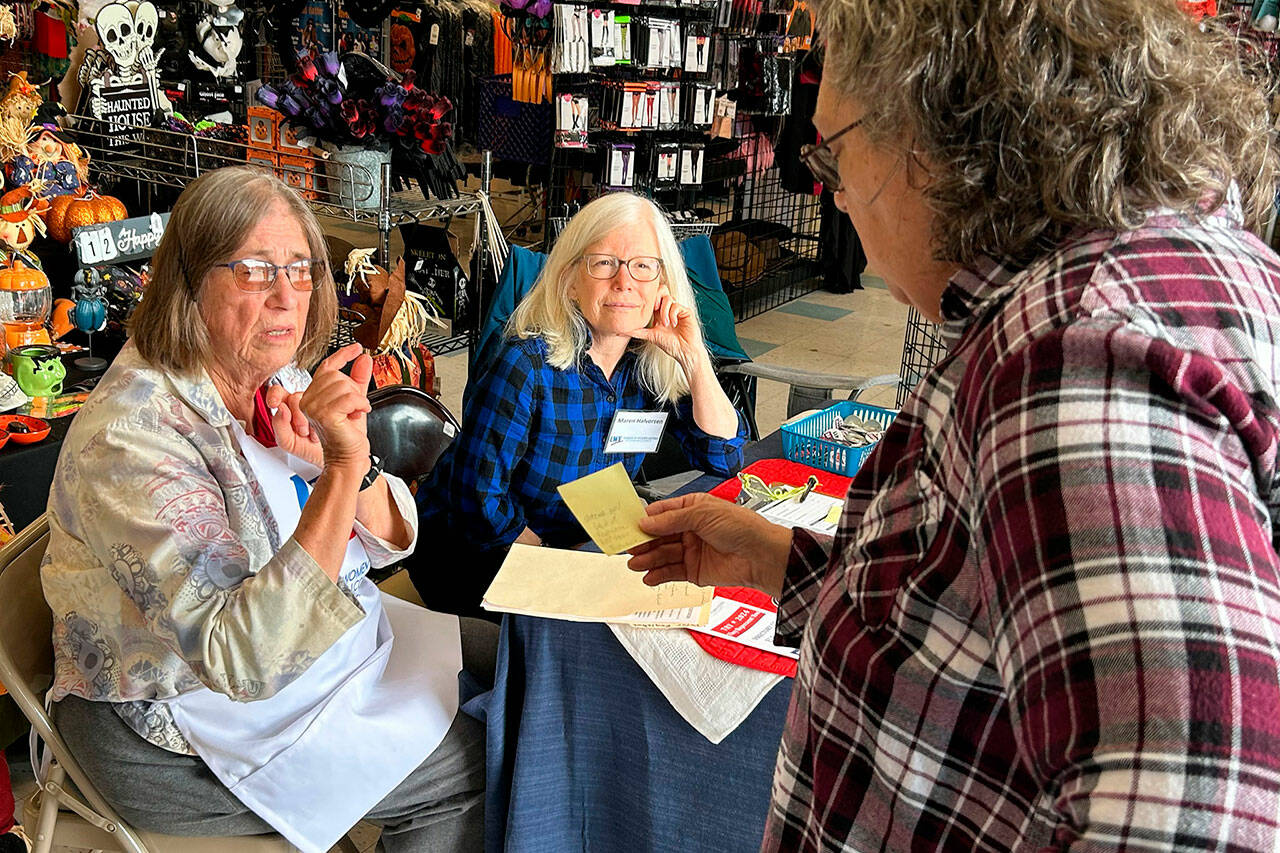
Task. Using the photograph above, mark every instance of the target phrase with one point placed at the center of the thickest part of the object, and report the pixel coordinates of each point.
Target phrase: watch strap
(375, 471)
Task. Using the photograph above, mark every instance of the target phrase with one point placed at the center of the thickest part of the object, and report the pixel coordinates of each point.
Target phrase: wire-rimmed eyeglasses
(825, 167)
(254, 275)
(821, 160)
(642, 267)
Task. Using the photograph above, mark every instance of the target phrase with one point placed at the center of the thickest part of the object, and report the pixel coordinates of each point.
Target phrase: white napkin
(713, 695)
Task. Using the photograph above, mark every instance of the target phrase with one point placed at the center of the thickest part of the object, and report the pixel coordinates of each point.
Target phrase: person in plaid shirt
(594, 337)
(1050, 617)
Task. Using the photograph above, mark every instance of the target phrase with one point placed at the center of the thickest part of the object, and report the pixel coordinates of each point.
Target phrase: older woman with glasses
(1050, 617)
(602, 355)
(224, 666)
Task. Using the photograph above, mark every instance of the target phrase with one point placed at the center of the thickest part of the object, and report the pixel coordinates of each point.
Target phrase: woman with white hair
(605, 351)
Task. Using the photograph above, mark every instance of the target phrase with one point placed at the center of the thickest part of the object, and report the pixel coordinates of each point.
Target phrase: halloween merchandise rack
(682, 101)
(158, 162)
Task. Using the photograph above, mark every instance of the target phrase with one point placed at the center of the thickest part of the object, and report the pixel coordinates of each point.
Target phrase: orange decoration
(20, 277)
(55, 218)
(76, 212)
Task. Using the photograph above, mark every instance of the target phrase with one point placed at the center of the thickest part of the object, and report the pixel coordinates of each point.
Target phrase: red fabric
(51, 36)
(770, 471)
(6, 797)
(263, 431)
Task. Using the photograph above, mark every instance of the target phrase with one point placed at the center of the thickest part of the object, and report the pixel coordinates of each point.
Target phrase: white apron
(314, 758)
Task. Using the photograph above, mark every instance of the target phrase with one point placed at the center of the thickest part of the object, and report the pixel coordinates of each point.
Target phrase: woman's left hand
(676, 331)
(293, 431)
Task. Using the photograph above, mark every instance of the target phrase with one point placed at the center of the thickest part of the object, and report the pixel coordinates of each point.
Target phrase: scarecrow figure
(20, 221)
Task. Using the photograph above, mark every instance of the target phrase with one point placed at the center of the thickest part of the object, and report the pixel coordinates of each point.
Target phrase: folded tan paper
(583, 586)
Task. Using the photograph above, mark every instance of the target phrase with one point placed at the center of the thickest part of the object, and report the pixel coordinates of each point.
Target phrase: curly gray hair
(1036, 117)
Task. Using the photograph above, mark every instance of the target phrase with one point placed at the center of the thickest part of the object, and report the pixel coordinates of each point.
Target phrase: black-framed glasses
(821, 160)
(641, 267)
(254, 275)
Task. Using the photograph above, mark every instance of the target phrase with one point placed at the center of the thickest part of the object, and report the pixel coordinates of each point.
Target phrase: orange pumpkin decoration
(17, 276)
(55, 218)
(78, 211)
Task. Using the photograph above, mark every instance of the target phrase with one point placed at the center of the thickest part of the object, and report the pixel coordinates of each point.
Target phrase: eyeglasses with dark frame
(254, 275)
(643, 268)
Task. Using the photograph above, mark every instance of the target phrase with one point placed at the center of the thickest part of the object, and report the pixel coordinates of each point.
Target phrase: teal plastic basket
(802, 441)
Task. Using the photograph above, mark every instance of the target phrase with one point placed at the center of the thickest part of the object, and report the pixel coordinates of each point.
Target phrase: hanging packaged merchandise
(666, 164)
(726, 112)
(603, 44)
(697, 49)
(723, 12)
(657, 43)
(620, 165)
(692, 158)
(744, 17)
(571, 121)
(699, 104)
(629, 106)
(779, 73)
(669, 117)
(433, 271)
(572, 51)
(725, 62)
(622, 39)
(766, 76)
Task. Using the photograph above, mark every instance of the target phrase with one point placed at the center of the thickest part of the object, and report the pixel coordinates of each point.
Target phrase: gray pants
(440, 806)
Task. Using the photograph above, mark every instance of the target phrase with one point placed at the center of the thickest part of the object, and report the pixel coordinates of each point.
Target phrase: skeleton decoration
(126, 59)
(218, 33)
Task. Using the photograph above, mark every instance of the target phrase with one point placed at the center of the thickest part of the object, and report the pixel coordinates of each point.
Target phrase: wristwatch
(375, 471)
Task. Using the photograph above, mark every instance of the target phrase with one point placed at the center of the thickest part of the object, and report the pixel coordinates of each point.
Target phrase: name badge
(635, 432)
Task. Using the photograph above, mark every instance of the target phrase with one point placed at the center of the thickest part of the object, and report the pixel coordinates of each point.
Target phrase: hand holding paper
(584, 586)
(608, 508)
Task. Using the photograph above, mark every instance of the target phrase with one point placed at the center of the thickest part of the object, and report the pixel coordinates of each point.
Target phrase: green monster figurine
(38, 369)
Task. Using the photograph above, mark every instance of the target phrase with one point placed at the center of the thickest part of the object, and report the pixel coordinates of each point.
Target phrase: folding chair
(58, 816)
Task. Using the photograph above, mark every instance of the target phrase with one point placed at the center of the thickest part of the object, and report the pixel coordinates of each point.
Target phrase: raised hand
(293, 431)
(711, 542)
(676, 331)
(335, 406)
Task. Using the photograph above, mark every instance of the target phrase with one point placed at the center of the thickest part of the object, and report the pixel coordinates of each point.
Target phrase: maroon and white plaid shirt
(1050, 618)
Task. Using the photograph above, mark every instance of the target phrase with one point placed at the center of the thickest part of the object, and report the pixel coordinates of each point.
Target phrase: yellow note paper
(608, 508)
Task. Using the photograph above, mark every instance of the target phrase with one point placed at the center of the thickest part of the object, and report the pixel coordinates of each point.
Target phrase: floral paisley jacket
(165, 570)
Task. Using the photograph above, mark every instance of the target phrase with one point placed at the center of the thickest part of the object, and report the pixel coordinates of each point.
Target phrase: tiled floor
(857, 333)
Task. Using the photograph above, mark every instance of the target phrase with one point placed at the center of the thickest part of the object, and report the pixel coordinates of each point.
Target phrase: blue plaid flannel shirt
(527, 427)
